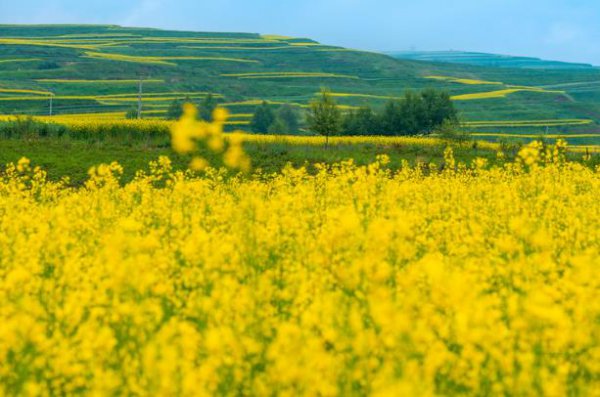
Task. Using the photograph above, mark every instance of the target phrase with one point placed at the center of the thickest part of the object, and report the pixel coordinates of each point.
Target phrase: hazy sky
(554, 29)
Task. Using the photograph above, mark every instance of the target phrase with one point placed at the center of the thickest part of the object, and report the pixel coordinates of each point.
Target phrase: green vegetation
(324, 117)
(96, 69)
(69, 151)
(263, 119)
(416, 113)
(484, 59)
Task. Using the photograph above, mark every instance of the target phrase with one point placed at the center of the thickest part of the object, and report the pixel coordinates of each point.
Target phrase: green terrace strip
(549, 136)
(41, 43)
(256, 102)
(19, 60)
(75, 81)
(161, 60)
(357, 95)
(528, 123)
(157, 40)
(23, 91)
(287, 75)
(158, 96)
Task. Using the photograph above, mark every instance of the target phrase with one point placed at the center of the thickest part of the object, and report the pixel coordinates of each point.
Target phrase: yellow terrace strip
(275, 37)
(39, 43)
(276, 73)
(270, 75)
(158, 94)
(463, 81)
(162, 96)
(129, 58)
(256, 102)
(248, 48)
(220, 59)
(584, 148)
(161, 60)
(23, 91)
(207, 39)
(76, 36)
(89, 116)
(534, 136)
(355, 140)
(307, 44)
(499, 94)
(80, 81)
(150, 41)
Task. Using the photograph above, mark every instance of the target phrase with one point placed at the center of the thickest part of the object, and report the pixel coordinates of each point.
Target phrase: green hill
(485, 59)
(95, 69)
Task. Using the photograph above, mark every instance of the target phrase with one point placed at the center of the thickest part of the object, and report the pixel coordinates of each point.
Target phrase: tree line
(415, 113)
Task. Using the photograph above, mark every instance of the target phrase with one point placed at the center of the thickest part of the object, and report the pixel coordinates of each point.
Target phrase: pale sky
(567, 30)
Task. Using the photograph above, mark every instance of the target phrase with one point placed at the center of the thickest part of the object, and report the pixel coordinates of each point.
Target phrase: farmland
(188, 256)
(96, 69)
(347, 280)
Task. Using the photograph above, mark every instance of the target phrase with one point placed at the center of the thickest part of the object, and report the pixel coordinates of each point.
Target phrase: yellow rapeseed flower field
(355, 280)
(161, 60)
(463, 80)
(287, 75)
(500, 93)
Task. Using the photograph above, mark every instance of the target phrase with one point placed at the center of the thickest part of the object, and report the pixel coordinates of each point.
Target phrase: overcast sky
(566, 30)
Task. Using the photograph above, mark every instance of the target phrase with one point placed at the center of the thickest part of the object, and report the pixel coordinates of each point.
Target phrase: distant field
(81, 81)
(487, 60)
(96, 69)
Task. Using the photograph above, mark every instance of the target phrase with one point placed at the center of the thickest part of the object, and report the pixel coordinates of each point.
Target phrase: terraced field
(96, 70)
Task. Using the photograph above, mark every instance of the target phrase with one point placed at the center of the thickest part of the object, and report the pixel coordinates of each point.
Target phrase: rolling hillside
(95, 70)
(485, 59)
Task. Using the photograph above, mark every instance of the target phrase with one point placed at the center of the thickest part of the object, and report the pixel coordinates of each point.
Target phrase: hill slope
(94, 69)
(485, 59)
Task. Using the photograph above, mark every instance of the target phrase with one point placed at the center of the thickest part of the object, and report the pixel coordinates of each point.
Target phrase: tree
(418, 113)
(278, 127)
(131, 114)
(262, 119)
(361, 122)
(392, 118)
(207, 107)
(450, 130)
(413, 114)
(438, 109)
(324, 116)
(289, 117)
(175, 110)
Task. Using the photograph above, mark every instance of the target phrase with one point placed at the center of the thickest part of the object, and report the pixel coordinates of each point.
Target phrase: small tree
(175, 110)
(361, 122)
(207, 107)
(450, 130)
(392, 118)
(289, 117)
(131, 114)
(278, 127)
(262, 119)
(438, 108)
(324, 116)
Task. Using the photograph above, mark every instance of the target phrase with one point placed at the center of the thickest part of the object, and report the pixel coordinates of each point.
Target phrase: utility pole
(139, 108)
(50, 107)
